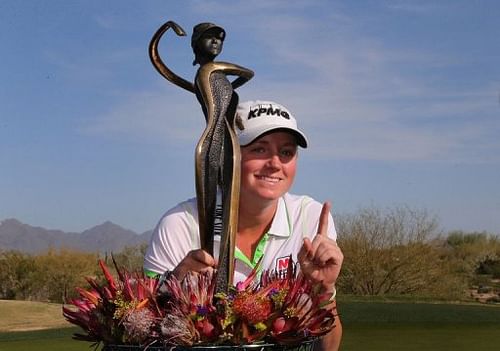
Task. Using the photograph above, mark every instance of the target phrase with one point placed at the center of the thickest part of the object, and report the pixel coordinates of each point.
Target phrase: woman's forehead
(281, 137)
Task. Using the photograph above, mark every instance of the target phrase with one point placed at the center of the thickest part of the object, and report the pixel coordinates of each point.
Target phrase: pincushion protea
(278, 308)
(122, 311)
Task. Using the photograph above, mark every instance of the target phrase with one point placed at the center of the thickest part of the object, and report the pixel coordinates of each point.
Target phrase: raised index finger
(323, 219)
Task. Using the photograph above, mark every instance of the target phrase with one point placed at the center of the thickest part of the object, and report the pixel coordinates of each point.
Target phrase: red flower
(253, 308)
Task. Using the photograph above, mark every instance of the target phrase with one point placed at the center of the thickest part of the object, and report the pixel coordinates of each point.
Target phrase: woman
(272, 223)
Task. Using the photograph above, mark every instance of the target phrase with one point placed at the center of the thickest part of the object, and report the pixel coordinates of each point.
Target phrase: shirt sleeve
(175, 235)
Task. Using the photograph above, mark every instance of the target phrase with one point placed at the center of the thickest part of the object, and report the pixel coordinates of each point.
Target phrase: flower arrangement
(137, 310)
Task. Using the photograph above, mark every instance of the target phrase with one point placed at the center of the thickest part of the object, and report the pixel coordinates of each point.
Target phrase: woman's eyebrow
(261, 142)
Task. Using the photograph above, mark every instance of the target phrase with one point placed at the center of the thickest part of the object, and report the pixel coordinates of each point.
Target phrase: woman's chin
(269, 194)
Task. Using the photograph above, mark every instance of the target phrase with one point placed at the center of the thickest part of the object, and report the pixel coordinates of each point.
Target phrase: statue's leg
(200, 171)
(210, 160)
(215, 144)
(230, 180)
(208, 153)
(207, 189)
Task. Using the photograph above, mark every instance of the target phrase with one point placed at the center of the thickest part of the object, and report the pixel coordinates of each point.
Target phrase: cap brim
(247, 138)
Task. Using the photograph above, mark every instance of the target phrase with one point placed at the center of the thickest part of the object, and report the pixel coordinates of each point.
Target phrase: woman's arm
(331, 341)
(175, 235)
(320, 261)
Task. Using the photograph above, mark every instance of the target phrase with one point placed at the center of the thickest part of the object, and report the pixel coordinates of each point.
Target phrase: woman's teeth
(269, 179)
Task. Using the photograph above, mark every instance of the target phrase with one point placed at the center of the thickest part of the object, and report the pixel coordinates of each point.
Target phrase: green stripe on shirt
(259, 252)
(151, 274)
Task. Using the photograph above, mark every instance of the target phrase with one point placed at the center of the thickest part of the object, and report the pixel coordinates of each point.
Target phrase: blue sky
(400, 101)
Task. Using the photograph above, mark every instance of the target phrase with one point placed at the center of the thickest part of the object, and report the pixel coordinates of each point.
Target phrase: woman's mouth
(269, 179)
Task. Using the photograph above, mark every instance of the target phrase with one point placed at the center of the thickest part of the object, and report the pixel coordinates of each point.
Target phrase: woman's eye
(258, 150)
(288, 153)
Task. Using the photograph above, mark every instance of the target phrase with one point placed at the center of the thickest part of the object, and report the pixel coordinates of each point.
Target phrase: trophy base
(304, 346)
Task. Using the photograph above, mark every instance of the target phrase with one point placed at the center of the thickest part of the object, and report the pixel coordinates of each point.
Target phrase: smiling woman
(273, 225)
(269, 166)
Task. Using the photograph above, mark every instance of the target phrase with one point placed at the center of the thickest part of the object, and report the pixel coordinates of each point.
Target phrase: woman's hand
(321, 259)
(197, 261)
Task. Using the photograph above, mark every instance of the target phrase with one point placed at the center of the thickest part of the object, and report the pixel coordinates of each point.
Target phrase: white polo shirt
(177, 233)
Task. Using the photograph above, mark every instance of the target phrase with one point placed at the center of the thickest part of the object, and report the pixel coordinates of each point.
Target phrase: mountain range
(106, 237)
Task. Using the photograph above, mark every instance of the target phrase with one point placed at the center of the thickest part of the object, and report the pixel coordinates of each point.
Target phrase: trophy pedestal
(304, 346)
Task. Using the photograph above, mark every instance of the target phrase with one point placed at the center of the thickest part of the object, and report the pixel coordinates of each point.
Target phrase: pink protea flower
(176, 329)
(191, 301)
(102, 309)
(138, 325)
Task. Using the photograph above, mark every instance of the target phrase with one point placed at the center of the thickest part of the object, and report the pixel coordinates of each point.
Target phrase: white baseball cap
(254, 118)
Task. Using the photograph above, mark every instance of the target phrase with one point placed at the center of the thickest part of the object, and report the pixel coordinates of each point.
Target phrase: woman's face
(268, 167)
(211, 43)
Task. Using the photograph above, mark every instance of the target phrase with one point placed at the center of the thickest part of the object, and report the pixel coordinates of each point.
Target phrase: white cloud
(415, 7)
(163, 117)
(106, 22)
(242, 7)
(355, 95)
(366, 99)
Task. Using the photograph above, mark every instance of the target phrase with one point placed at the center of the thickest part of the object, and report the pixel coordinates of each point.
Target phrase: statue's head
(206, 41)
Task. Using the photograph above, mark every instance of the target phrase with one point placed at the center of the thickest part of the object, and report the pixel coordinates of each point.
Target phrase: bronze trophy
(217, 156)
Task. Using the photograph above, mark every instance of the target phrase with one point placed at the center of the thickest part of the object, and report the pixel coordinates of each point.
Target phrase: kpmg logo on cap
(267, 110)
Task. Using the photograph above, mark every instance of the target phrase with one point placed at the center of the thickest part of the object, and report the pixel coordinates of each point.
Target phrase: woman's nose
(274, 161)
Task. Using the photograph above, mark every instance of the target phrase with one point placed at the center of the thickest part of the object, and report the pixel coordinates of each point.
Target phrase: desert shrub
(53, 275)
(131, 257)
(394, 252)
(16, 275)
(490, 267)
(475, 256)
(59, 272)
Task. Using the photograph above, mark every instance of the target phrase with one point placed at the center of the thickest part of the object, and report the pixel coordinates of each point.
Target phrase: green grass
(368, 326)
(378, 326)
(419, 337)
(361, 311)
(46, 340)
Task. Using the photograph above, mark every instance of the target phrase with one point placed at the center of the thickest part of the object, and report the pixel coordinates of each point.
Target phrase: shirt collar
(281, 222)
